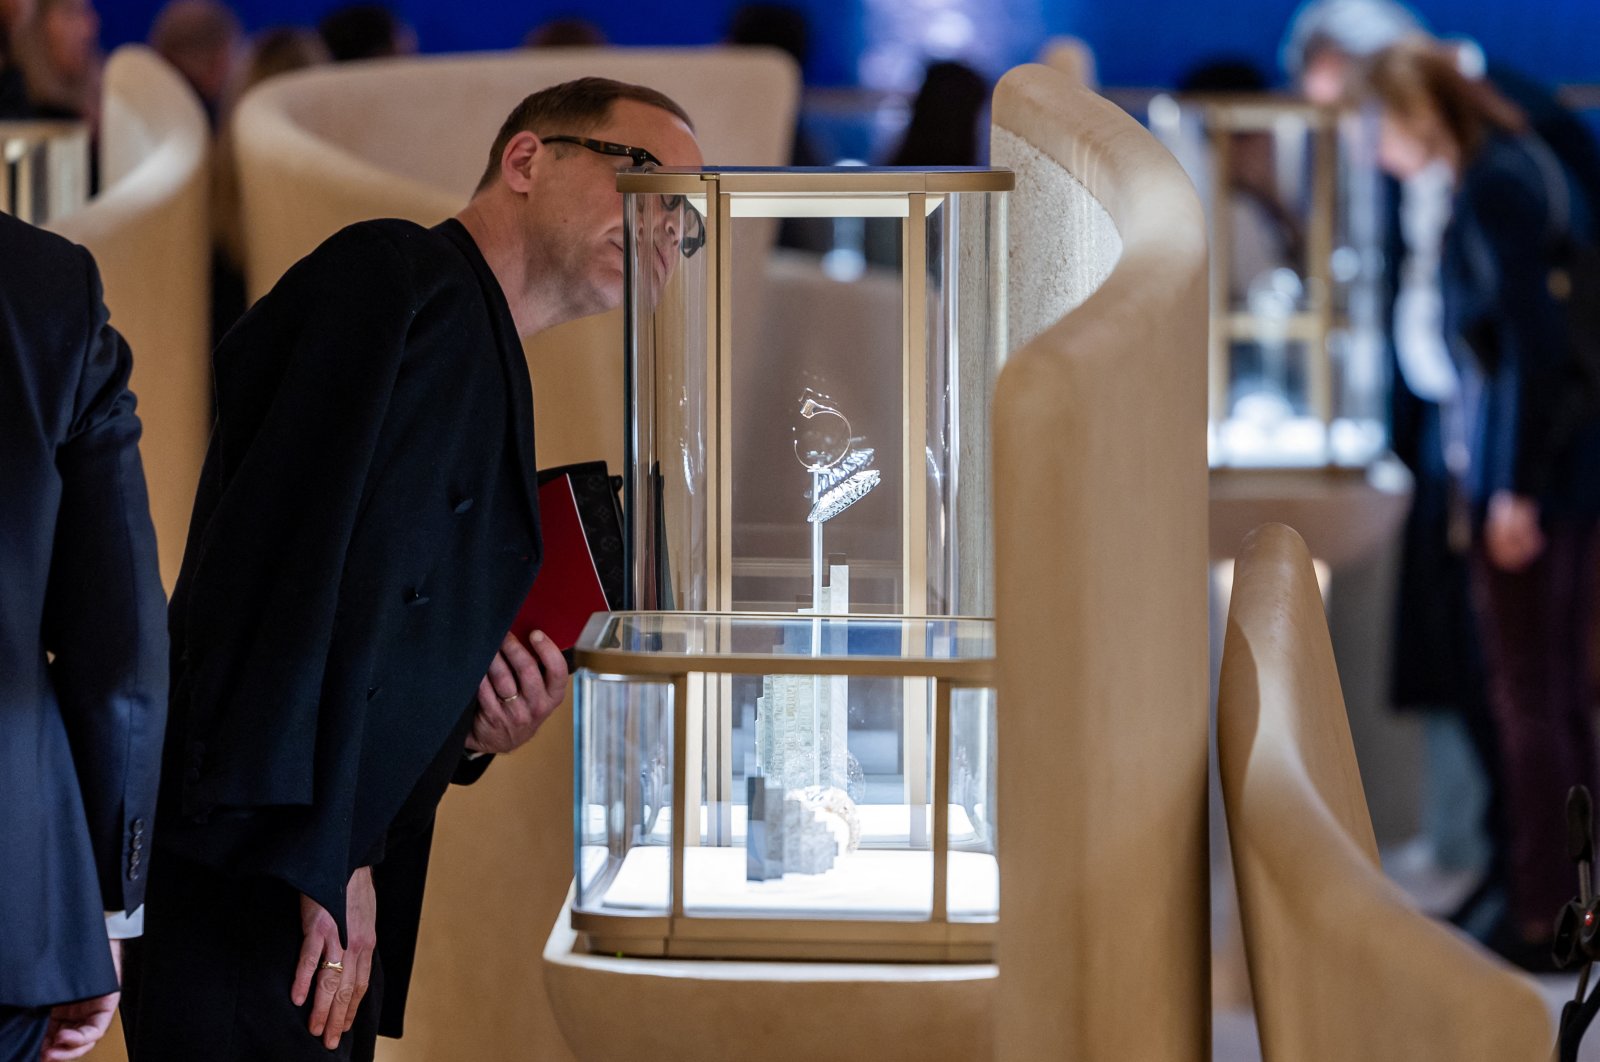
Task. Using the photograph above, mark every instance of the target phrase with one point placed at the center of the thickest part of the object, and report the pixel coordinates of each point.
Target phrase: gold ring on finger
(508, 700)
(333, 964)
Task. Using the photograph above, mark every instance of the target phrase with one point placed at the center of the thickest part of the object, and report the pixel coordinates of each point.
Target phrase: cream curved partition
(1341, 964)
(325, 147)
(1099, 465)
(148, 232)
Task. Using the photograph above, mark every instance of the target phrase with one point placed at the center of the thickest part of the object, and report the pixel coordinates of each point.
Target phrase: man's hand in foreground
(75, 1028)
(524, 685)
(339, 991)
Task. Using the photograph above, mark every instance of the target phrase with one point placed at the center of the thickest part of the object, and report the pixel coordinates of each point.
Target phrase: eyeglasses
(693, 234)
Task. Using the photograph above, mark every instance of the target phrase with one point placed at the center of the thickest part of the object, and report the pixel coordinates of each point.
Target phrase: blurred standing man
(203, 40)
(83, 643)
(365, 530)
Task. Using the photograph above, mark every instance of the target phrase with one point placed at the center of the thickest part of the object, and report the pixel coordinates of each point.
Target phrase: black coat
(83, 668)
(1436, 657)
(1509, 336)
(364, 532)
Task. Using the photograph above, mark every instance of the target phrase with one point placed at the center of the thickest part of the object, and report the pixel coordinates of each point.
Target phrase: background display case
(754, 455)
(44, 169)
(722, 807)
(1293, 196)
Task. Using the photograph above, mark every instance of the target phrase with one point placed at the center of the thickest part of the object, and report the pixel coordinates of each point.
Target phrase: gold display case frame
(679, 934)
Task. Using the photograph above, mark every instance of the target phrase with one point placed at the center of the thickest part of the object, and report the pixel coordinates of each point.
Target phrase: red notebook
(568, 589)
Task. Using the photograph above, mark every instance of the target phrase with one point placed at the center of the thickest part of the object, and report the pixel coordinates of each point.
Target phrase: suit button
(133, 873)
(414, 597)
(462, 505)
(138, 827)
(137, 844)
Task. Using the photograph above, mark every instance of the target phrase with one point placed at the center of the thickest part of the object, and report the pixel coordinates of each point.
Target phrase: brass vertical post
(680, 787)
(914, 493)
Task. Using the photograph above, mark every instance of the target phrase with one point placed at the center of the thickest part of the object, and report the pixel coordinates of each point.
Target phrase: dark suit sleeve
(470, 769)
(105, 612)
(1513, 215)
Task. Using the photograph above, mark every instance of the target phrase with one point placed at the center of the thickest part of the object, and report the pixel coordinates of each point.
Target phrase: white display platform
(881, 883)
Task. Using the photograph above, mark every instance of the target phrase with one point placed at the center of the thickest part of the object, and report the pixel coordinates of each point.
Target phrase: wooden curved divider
(1099, 466)
(1342, 966)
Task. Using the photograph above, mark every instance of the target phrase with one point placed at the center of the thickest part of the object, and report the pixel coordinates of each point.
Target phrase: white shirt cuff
(121, 925)
(475, 755)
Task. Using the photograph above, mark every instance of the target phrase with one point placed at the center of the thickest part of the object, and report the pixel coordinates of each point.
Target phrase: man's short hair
(571, 108)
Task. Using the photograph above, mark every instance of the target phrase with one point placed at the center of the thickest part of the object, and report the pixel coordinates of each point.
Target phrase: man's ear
(517, 161)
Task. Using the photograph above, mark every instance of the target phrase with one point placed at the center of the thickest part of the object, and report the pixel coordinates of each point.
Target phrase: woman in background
(1530, 480)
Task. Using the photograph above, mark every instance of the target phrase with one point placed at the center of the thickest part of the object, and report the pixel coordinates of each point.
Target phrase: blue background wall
(1138, 42)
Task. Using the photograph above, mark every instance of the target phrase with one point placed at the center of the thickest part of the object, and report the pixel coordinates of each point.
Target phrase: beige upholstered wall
(326, 147)
(148, 231)
(1342, 966)
(1099, 465)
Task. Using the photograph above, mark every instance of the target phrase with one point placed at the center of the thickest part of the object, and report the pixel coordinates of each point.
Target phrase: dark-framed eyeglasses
(640, 156)
(692, 236)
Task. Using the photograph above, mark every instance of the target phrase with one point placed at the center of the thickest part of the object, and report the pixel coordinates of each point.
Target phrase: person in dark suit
(1531, 479)
(365, 529)
(83, 668)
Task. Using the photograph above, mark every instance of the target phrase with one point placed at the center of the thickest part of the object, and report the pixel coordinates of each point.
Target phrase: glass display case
(732, 800)
(44, 169)
(1294, 196)
(837, 463)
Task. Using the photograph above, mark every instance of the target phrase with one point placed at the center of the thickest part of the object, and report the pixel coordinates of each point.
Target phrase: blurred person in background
(785, 28)
(1529, 484)
(57, 47)
(1438, 669)
(569, 31)
(270, 53)
(203, 40)
(13, 91)
(943, 130)
(1266, 236)
(366, 31)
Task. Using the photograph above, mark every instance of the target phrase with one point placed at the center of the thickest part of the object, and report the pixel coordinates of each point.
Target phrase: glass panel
(974, 874)
(859, 637)
(809, 430)
(623, 778)
(816, 425)
(813, 811)
(668, 330)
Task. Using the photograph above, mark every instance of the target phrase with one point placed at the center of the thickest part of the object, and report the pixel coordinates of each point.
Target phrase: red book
(568, 589)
